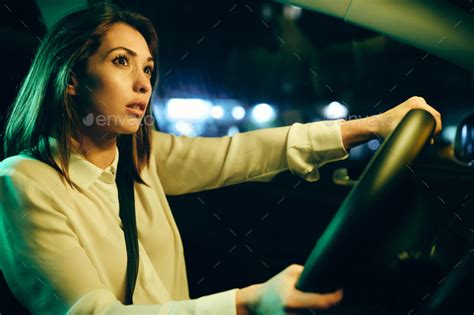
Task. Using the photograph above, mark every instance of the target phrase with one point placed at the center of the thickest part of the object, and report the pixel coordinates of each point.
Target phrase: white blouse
(64, 250)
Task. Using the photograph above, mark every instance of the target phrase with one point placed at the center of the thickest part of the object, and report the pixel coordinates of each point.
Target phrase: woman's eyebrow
(131, 52)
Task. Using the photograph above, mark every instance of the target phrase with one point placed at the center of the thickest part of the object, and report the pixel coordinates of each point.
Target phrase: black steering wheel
(359, 223)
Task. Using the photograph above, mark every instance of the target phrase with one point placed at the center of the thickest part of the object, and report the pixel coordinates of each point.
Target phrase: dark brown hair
(44, 109)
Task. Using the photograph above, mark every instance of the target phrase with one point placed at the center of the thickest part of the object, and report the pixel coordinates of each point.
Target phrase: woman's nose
(142, 83)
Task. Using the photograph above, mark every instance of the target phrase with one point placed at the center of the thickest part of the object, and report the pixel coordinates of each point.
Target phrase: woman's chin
(131, 124)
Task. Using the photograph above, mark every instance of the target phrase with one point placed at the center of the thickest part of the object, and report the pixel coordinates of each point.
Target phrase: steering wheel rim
(328, 265)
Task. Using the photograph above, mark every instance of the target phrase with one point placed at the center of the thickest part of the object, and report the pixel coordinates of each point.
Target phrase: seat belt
(125, 185)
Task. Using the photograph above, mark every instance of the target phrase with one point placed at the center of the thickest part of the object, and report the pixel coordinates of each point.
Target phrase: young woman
(87, 95)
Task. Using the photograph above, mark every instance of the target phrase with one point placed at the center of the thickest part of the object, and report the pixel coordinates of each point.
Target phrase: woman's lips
(135, 111)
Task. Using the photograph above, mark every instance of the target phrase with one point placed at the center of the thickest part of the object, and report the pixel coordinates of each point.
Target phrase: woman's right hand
(279, 296)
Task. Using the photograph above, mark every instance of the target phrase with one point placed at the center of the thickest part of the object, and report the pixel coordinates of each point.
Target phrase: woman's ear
(72, 85)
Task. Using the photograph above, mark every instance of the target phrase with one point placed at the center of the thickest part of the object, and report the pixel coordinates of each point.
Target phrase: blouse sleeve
(188, 164)
(48, 270)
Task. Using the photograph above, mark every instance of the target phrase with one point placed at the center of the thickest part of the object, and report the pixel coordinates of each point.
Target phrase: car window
(244, 67)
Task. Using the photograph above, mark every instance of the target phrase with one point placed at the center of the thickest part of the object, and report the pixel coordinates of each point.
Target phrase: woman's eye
(121, 59)
(149, 70)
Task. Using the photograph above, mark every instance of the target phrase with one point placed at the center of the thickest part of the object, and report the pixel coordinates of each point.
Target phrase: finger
(438, 125)
(317, 300)
(334, 297)
(437, 116)
(438, 129)
(422, 104)
(295, 269)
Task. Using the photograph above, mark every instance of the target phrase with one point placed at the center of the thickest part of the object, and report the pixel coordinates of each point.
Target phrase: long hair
(44, 109)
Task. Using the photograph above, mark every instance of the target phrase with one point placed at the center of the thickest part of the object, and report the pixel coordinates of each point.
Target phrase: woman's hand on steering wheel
(387, 121)
(279, 296)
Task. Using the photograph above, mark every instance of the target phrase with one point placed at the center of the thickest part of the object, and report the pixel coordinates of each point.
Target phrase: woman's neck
(98, 150)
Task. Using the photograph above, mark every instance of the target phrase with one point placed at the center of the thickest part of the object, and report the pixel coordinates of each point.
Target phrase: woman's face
(117, 74)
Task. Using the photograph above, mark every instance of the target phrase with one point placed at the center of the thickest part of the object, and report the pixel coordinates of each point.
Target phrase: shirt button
(112, 170)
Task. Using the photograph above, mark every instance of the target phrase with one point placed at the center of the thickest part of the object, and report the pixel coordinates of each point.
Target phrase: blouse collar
(83, 172)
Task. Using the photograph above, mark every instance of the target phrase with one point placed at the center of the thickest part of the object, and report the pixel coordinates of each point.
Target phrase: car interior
(394, 223)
